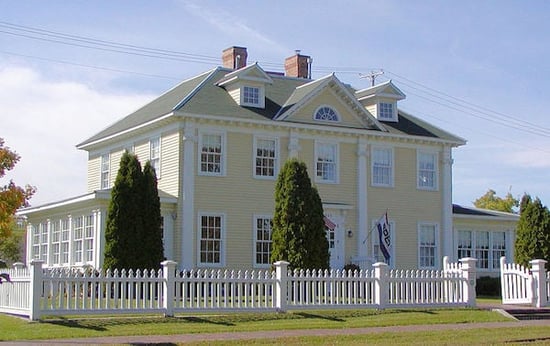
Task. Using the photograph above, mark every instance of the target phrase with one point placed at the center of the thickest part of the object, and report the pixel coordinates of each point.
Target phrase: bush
(488, 286)
(352, 267)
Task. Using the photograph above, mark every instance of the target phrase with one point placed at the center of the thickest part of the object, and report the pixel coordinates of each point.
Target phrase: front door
(334, 227)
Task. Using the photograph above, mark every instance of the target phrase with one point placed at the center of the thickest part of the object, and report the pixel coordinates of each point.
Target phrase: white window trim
(437, 245)
(436, 173)
(261, 96)
(277, 160)
(338, 117)
(336, 159)
(392, 170)
(158, 170)
(222, 240)
(255, 240)
(394, 111)
(376, 240)
(223, 161)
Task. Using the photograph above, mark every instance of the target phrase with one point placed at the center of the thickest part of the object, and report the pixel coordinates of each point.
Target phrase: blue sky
(478, 69)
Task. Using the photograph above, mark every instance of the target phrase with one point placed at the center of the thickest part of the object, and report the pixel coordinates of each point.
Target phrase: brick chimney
(234, 57)
(298, 66)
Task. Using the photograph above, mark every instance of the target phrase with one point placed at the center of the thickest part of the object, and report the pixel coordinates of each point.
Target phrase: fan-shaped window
(326, 113)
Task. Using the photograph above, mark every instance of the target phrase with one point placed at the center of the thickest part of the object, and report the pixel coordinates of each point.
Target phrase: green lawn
(18, 329)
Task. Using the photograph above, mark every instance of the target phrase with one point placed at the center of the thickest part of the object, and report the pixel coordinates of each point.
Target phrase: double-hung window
(427, 245)
(65, 229)
(78, 235)
(265, 157)
(326, 162)
(251, 96)
(482, 249)
(382, 167)
(105, 167)
(386, 111)
(89, 238)
(55, 231)
(154, 155)
(262, 251)
(499, 247)
(427, 170)
(464, 244)
(211, 237)
(212, 154)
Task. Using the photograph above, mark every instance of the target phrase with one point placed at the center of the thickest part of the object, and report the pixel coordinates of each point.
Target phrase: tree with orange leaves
(12, 197)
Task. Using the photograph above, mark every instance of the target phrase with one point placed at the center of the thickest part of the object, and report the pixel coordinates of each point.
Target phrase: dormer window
(251, 96)
(326, 113)
(387, 111)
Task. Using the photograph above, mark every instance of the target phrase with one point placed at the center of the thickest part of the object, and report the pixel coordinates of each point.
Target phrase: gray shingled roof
(201, 95)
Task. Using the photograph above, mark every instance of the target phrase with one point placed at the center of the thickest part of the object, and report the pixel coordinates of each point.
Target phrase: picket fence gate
(522, 285)
(36, 292)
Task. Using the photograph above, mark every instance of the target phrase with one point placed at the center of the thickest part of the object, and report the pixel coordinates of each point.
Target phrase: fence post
(470, 276)
(381, 284)
(281, 272)
(168, 273)
(538, 271)
(35, 289)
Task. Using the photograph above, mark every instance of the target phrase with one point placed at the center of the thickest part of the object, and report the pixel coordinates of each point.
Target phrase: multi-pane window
(382, 167)
(427, 170)
(43, 241)
(211, 228)
(464, 244)
(36, 242)
(331, 237)
(65, 229)
(486, 247)
(56, 242)
(499, 247)
(326, 113)
(78, 234)
(263, 240)
(251, 95)
(427, 246)
(89, 238)
(211, 156)
(105, 167)
(386, 111)
(482, 249)
(265, 157)
(326, 162)
(154, 155)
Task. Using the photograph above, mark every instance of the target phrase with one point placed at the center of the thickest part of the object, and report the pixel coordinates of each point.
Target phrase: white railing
(35, 291)
(521, 285)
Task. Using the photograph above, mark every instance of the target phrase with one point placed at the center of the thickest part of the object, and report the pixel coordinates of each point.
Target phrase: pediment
(307, 99)
(250, 73)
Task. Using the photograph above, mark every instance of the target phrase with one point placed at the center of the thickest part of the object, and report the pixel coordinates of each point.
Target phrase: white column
(99, 238)
(188, 209)
(362, 219)
(447, 204)
(293, 145)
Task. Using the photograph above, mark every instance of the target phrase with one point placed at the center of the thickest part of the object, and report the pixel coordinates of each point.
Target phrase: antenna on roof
(372, 75)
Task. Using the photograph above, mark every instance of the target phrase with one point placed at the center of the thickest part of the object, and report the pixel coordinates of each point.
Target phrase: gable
(327, 98)
(329, 91)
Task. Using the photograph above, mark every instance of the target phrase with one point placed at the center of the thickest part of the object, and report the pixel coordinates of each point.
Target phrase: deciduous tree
(491, 201)
(12, 197)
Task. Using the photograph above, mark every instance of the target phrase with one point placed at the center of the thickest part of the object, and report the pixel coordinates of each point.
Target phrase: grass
(19, 329)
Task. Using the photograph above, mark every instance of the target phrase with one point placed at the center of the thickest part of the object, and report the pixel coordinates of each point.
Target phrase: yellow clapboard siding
(169, 164)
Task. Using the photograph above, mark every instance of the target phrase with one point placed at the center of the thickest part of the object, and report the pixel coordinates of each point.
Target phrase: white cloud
(528, 158)
(43, 120)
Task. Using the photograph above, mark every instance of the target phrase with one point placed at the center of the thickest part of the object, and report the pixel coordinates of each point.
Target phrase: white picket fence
(35, 292)
(521, 285)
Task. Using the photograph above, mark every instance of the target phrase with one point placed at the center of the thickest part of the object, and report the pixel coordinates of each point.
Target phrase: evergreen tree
(298, 226)
(153, 253)
(533, 232)
(124, 230)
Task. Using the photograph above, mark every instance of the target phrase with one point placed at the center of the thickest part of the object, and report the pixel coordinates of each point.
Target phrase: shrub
(488, 286)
